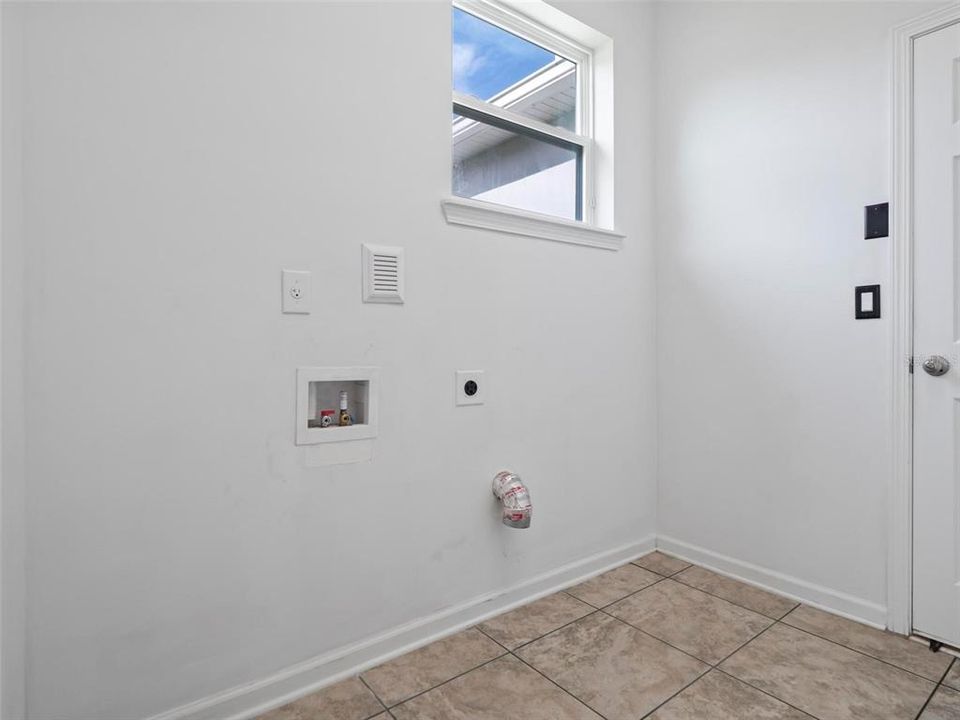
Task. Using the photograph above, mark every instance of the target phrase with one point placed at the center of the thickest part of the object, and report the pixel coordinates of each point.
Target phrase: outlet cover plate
(471, 387)
(297, 291)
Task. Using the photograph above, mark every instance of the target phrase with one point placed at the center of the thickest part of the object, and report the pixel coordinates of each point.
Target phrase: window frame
(460, 210)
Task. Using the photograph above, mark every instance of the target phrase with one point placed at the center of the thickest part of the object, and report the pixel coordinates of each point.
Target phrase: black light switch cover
(876, 221)
(867, 302)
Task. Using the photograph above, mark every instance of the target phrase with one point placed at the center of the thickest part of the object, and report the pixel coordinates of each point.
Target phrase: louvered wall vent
(382, 274)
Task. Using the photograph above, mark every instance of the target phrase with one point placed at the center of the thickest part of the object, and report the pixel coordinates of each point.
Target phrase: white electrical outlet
(297, 291)
(471, 387)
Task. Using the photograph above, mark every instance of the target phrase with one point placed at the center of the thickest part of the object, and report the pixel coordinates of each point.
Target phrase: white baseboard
(248, 701)
(818, 596)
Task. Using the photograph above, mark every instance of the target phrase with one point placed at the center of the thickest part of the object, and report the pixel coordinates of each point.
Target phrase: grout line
(695, 680)
(659, 580)
(780, 622)
(634, 562)
(790, 611)
(711, 666)
(685, 652)
(589, 707)
(448, 680)
(635, 592)
(508, 651)
(486, 634)
(602, 610)
(925, 703)
(367, 686)
(936, 689)
(649, 634)
(764, 692)
(593, 611)
(943, 678)
(859, 652)
(729, 674)
(742, 646)
(733, 602)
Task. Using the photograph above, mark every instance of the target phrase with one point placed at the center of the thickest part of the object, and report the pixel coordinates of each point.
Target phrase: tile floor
(656, 638)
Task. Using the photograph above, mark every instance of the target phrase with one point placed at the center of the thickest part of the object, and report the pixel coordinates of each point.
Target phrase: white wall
(176, 157)
(12, 438)
(772, 134)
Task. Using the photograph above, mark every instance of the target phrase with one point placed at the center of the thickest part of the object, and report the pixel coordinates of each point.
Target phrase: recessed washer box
(319, 388)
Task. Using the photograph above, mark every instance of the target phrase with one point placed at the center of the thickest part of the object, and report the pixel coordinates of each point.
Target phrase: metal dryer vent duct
(514, 499)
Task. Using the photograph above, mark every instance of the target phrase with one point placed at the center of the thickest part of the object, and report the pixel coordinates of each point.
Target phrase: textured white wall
(12, 472)
(772, 134)
(176, 157)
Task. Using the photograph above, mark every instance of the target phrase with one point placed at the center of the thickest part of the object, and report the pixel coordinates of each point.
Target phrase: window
(520, 124)
(523, 116)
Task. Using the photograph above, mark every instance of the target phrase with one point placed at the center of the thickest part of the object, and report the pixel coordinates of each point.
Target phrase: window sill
(489, 216)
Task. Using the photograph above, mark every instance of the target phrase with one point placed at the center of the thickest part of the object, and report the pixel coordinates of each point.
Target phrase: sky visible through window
(487, 59)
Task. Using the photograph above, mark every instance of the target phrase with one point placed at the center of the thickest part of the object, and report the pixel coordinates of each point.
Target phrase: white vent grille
(382, 274)
(386, 273)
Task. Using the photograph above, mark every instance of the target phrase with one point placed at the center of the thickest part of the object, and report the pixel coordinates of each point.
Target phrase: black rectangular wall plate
(876, 221)
(871, 308)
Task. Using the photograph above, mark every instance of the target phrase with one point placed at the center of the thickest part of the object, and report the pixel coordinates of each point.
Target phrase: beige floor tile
(347, 700)
(501, 690)
(887, 646)
(614, 585)
(617, 670)
(661, 564)
(945, 705)
(431, 665)
(953, 677)
(826, 680)
(720, 697)
(739, 593)
(697, 623)
(529, 622)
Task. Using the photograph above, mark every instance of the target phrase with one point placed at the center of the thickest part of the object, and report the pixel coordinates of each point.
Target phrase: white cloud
(466, 63)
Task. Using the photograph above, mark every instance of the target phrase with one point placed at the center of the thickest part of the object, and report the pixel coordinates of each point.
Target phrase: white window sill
(490, 216)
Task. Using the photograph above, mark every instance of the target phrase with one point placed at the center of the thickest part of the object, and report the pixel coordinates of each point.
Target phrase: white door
(936, 426)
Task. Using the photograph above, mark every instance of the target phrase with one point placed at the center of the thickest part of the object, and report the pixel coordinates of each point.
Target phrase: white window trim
(491, 216)
(544, 25)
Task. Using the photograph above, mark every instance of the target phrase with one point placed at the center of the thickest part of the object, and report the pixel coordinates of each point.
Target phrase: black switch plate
(867, 302)
(876, 221)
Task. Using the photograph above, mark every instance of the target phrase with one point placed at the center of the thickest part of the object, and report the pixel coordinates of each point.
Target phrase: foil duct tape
(514, 499)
